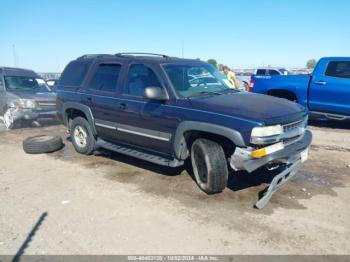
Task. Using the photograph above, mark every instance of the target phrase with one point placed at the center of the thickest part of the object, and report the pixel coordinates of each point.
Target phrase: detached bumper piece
(276, 183)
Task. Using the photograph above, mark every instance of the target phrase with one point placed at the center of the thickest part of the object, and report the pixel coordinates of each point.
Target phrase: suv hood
(255, 107)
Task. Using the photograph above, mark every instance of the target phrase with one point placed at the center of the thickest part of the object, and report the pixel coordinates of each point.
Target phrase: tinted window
(74, 73)
(105, 78)
(261, 72)
(273, 72)
(339, 69)
(139, 77)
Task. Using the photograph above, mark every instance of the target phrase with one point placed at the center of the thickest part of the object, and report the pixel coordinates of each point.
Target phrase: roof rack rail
(141, 54)
(93, 56)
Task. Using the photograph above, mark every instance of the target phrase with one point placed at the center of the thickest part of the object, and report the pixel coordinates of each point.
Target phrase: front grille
(294, 125)
(289, 128)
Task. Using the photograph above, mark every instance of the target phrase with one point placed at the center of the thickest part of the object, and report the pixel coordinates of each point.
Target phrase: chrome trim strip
(134, 130)
(106, 126)
(142, 134)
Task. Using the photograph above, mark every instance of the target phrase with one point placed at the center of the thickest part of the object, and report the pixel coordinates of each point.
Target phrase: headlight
(23, 103)
(267, 131)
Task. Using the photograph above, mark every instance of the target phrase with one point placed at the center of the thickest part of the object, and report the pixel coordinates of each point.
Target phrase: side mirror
(156, 93)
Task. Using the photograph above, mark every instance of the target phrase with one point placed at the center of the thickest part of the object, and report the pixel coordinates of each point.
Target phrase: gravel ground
(112, 204)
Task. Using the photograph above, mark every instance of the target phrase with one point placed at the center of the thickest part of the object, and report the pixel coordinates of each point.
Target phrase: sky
(45, 35)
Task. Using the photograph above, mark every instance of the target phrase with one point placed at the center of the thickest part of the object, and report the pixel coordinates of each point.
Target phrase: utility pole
(15, 57)
(183, 48)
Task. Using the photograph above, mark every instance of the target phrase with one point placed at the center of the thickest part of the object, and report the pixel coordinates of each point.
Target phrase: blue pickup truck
(325, 93)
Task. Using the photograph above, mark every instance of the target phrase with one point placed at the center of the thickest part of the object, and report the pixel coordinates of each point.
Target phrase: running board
(331, 116)
(138, 154)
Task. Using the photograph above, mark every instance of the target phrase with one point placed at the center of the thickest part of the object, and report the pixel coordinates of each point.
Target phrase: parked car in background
(51, 82)
(326, 92)
(151, 107)
(24, 97)
(271, 71)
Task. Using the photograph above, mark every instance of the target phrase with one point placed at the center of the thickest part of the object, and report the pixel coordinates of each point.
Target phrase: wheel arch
(189, 130)
(77, 109)
(283, 93)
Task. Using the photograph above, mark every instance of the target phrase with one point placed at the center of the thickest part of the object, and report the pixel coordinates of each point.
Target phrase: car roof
(137, 57)
(271, 68)
(12, 71)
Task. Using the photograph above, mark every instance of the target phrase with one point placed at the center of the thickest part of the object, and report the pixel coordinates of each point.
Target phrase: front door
(330, 89)
(144, 123)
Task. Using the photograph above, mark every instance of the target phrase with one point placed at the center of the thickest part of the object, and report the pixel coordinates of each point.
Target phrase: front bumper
(32, 114)
(242, 160)
(291, 158)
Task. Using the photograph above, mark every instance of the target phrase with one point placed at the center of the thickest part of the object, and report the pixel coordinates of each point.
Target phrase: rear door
(330, 88)
(102, 98)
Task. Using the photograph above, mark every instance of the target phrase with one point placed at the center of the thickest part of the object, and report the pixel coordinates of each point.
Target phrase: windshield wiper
(209, 93)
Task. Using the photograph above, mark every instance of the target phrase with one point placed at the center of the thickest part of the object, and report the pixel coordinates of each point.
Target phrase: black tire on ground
(82, 136)
(209, 166)
(42, 144)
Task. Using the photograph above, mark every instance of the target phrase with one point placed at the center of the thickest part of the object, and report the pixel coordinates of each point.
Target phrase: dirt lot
(112, 204)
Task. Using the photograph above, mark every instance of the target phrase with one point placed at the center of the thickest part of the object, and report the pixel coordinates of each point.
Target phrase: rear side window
(74, 73)
(273, 72)
(339, 69)
(106, 78)
(261, 72)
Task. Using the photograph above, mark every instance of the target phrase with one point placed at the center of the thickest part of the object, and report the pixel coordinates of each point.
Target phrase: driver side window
(140, 76)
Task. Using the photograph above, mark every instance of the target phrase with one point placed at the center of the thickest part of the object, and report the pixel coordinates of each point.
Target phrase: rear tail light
(251, 85)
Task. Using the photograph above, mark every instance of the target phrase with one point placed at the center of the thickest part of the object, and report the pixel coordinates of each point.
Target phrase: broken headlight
(23, 103)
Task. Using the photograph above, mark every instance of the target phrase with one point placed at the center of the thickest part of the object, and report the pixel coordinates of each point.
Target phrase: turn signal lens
(259, 153)
(267, 150)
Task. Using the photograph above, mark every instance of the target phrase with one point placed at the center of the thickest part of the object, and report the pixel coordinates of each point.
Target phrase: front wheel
(209, 165)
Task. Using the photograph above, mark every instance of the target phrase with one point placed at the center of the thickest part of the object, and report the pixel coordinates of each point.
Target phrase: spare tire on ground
(42, 144)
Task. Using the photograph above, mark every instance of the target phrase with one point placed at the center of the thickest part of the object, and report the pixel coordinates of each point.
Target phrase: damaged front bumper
(291, 158)
(31, 114)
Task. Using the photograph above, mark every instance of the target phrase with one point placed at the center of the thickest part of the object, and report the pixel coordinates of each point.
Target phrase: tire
(209, 166)
(42, 144)
(82, 137)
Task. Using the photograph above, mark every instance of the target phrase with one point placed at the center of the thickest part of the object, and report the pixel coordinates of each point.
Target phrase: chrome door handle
(320, 83)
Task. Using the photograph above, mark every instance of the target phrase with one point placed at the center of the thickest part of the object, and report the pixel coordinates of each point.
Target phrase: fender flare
(83, 108)
(180, 146)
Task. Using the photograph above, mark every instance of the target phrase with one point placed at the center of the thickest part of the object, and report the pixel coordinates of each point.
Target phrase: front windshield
(26, 83)
(191, 80)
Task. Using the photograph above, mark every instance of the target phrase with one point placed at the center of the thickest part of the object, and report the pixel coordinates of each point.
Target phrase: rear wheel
(82, 137)
(209, 165)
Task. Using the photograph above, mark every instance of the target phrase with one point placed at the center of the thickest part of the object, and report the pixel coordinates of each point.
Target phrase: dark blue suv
(166, 110)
